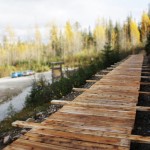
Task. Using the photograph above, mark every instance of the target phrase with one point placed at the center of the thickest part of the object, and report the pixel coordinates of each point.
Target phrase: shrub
(55, 90)
(78, 78)
(89, 72)
(39, 93)
(43, 92)
(65, 86)
(109, 56)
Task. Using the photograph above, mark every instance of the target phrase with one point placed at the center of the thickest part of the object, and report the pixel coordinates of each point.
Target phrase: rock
(37, 121)
(23, 131)
(7, 139)
(16, 137)
(30, 120)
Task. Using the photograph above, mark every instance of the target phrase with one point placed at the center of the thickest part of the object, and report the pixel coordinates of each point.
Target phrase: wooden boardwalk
(101, 118)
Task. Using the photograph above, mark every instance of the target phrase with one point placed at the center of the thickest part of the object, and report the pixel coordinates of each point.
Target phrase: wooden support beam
(59, 102)
(110, 68)
(139, 139)
(91, 81)
(145, 83)
(99, 75)
(141, 108)
(105, 71)
(145, 72)
(142, 92)
(79, 89)
(114, 65)
(24, 124)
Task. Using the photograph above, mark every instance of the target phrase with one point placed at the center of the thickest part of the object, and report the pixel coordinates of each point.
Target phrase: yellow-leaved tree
(38, 44)
(54, 39)
(134, 33)
(11, 50)
(69, 35)
(145, 27)
(77, 39)
(100, 35)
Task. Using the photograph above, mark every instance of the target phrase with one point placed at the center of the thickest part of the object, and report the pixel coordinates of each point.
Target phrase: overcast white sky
(23, 14)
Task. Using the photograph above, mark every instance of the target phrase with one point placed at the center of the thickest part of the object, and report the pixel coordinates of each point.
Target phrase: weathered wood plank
(83, 137)
(104, 106)
(91, 81)
(115, 91)
(40, 145)
(106, 94)
(94, 120)
(75, 130)
(114, 88)
(64, 126)
(142, 92)
(97, 111)
(76, 144)
(123, 76)
(110, 107)
(70, 143)
(59, 102)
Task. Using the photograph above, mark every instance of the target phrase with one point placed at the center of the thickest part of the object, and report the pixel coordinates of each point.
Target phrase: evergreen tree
(107, 55)
(147, 46)
(117, 29)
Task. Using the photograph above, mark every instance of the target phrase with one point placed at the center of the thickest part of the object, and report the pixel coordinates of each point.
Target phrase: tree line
(72, 41)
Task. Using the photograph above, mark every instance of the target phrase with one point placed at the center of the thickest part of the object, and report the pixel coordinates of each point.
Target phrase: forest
(71, 44)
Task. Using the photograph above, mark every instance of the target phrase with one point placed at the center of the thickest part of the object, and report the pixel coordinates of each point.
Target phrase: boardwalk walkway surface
(100, 118)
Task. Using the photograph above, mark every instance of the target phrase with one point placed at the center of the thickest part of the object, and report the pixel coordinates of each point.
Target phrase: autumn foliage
(72, 43)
